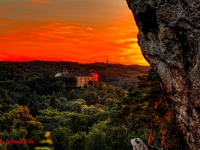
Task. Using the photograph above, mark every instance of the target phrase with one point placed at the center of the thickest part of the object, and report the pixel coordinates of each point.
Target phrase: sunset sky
(83, 31)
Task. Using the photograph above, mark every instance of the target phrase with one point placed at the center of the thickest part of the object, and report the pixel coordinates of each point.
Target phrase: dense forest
(39, 110)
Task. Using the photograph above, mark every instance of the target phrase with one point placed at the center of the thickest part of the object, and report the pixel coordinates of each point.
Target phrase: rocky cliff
(169, 37)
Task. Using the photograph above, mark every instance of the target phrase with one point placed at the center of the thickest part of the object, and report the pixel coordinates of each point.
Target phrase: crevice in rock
(188, 49)
(172, 2)
(148, 19)
(197, 110)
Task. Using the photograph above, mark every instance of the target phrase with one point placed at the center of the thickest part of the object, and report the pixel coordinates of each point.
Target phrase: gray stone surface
(169, 37)
(138, 144)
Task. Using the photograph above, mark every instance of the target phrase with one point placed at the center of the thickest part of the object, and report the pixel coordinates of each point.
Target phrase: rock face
(138, 144)
(169, 37)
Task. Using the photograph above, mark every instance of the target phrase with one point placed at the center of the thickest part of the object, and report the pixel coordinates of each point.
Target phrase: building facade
(82, 77)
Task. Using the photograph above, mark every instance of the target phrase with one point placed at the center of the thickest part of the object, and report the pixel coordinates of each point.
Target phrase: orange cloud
(97, 32)
(3, 22)
(41, 1)
(71, 41)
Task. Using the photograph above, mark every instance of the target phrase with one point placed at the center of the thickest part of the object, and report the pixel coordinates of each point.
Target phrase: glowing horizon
(75, 31)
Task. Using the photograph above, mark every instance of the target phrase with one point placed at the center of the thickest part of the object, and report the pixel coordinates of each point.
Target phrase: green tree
(72, 94)
(96, 140)
(90, 97)
(72, 81)
(19, 124)
(61, 137)
(53, 102)
(77, 141)
(76, 123)
(89, 110)
(110, 102)
(77, 105)
(109, 95)
(60, 85)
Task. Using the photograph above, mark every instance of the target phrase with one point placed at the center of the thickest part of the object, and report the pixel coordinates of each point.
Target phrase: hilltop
(112, 74)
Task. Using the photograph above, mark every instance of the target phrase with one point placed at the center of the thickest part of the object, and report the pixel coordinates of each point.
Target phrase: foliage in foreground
(92, 118)
(145, 112)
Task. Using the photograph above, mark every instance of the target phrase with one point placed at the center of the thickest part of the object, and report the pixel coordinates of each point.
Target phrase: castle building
(82, 77)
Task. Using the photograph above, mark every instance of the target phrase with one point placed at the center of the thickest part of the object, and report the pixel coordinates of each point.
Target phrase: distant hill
(111, 74)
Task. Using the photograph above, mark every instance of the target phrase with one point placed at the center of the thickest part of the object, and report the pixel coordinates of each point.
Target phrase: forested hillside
(111, 74)
(99, 116)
